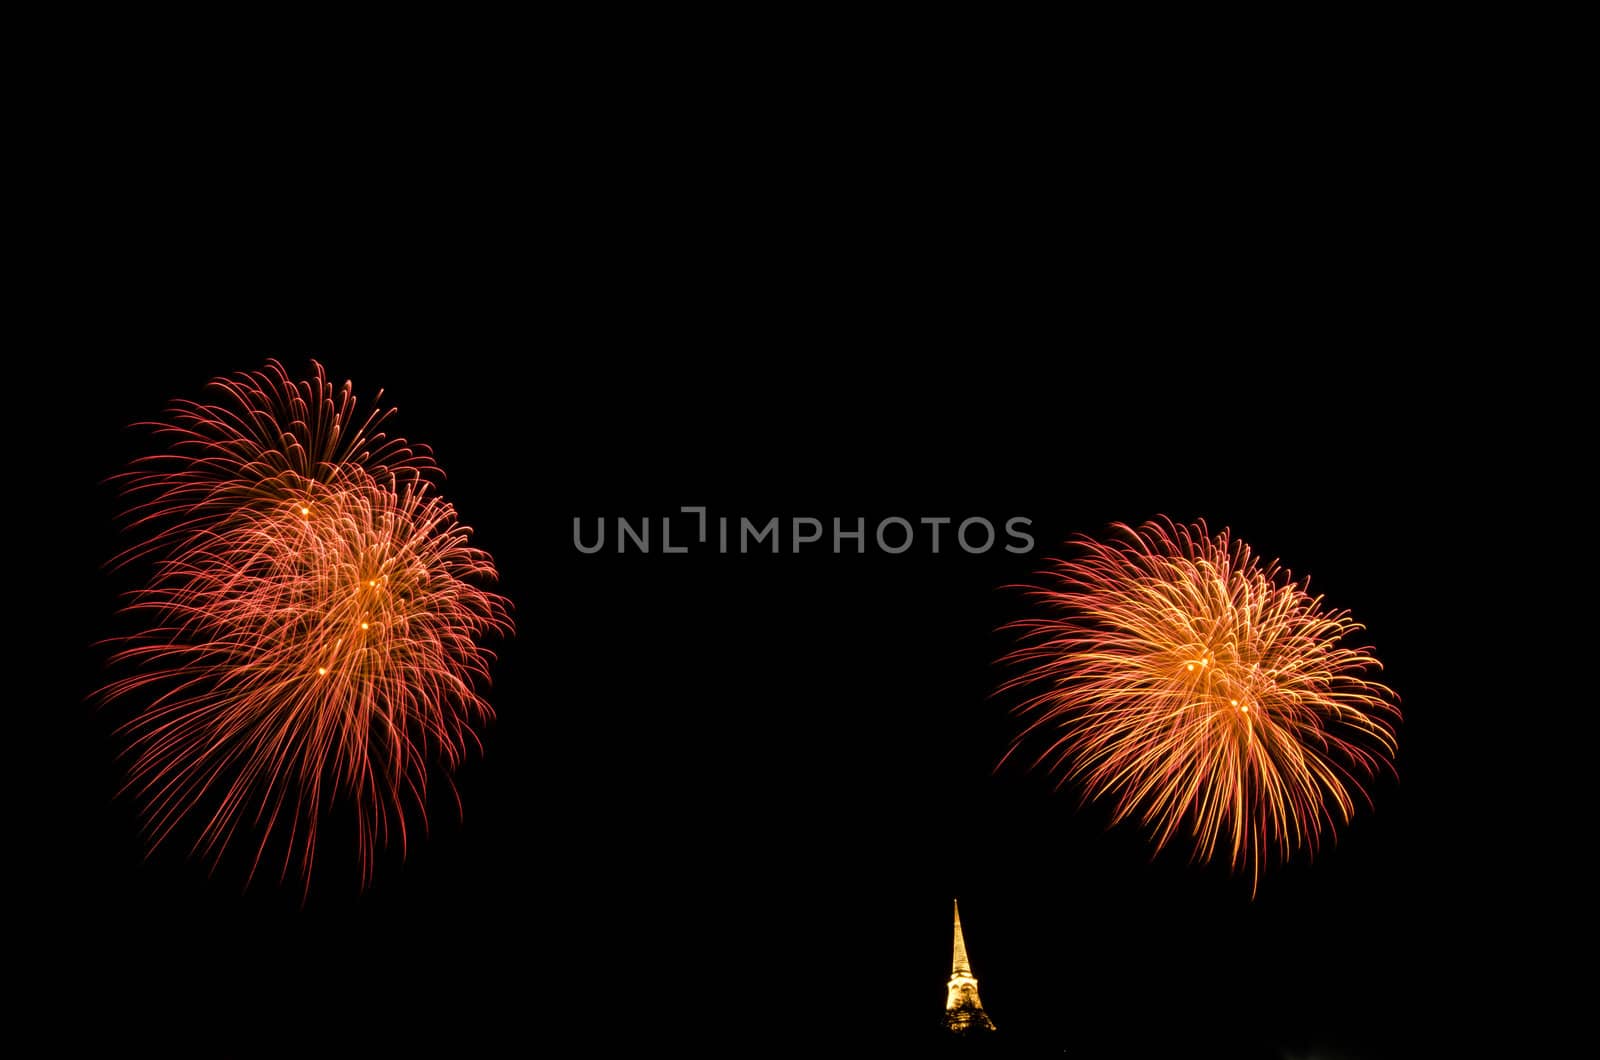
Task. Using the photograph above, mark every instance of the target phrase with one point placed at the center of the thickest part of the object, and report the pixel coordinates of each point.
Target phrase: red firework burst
(1202, 691)
(311, 628)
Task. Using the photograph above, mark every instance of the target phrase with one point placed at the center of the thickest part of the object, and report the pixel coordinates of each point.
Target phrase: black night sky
(729, 798)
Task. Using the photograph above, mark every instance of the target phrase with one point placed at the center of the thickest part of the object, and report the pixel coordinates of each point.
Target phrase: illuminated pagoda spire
(963, 1012)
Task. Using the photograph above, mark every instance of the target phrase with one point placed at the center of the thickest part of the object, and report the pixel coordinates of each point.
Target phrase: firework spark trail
(311, 627)
(1202, 691)
(262, 436)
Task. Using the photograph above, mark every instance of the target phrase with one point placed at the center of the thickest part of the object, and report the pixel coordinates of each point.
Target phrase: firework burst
(1202, 691)
(311, 628)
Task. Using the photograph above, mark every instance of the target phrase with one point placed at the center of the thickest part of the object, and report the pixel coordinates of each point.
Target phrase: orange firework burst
(312, 622)
(1203, 692)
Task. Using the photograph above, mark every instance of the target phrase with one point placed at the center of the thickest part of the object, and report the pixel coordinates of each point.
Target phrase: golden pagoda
(963, 1012)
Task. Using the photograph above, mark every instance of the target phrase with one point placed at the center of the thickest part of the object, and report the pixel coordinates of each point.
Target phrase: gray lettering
(745, 526)
(798, 540)
(910, 533)
(859, 533)
(577, 538)
(625, 531)
(1012, 531)
(701, 509)
(666, 537)
(988, 528)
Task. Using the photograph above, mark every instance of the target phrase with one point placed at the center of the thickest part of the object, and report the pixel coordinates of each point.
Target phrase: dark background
(730, 797)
